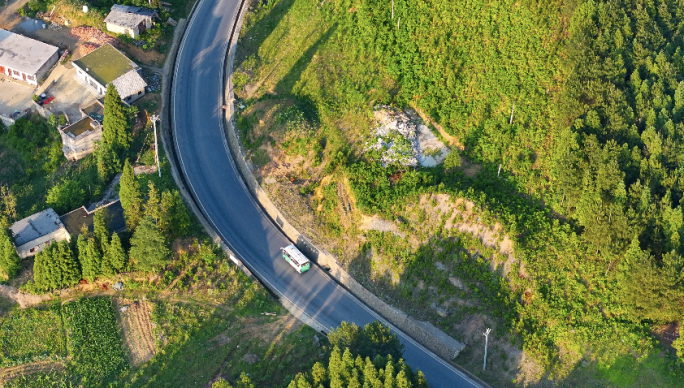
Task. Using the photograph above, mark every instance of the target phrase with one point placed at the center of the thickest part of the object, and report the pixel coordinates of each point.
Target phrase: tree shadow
(262, 29)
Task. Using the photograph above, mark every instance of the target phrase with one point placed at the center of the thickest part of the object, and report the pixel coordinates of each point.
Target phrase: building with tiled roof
(129, 20)
(108, 65)
(37, 231)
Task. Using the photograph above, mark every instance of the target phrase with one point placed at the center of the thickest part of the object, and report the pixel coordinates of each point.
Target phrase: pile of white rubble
(402, 138)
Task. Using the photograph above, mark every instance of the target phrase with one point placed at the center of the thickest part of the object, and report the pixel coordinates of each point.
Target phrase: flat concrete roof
(105, 64)
(82, 125)
(24, 54)
(75, 219)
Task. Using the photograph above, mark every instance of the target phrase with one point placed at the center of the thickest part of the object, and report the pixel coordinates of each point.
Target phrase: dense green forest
(580, 102)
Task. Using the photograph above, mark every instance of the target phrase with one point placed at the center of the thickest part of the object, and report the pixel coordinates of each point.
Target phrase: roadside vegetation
(555, 219)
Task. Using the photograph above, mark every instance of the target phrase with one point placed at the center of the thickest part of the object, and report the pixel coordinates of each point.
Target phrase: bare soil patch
(24, 300)
(138, 330)
(8, 14)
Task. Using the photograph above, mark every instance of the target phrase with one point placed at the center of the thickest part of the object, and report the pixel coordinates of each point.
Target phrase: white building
(79, 138)
(132, 21)
(108, 65)
(25, 59)
(35, 232)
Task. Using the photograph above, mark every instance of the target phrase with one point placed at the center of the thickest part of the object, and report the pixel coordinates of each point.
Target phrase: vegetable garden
(94, 341)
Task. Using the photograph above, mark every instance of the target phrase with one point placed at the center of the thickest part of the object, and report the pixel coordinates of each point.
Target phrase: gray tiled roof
(127, 16)
(129, 84)
(24, 54)
(35, 226)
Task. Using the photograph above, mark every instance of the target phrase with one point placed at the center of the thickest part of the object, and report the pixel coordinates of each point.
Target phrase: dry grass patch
(7, 374)
(138, 330)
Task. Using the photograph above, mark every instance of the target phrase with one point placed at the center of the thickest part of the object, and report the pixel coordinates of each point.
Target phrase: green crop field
(31, 335)
(94, 342)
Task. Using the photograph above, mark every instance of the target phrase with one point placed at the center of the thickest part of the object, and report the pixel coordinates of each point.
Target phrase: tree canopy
(148, 247)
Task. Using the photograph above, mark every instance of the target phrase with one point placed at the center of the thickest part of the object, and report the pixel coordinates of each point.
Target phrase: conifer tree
(65, 259)
(56, 267)
(115, 128)
(131, 196)
(148, 247)
(116, 136)
(108, 161)
(10, 263)
(89, 257)
(152, 208)
(115, 257)
(41, 264)
(345, 371)
(174, 219)
(100, 229)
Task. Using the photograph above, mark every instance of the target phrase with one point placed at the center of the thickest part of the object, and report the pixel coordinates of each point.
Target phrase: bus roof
(295, 255)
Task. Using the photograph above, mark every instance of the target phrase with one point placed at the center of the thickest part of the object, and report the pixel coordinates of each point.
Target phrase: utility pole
(154, 119)
(512, 111)
(486, 334)
(392, 9)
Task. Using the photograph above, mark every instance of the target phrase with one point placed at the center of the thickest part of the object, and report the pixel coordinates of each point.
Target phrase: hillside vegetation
(580, 103)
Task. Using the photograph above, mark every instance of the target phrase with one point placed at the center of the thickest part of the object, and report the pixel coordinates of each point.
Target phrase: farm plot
(31, 335)
(135, 318)
(27, 375)
(93, 340)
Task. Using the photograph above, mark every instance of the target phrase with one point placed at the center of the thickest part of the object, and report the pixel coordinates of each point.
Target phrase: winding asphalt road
(217, 187)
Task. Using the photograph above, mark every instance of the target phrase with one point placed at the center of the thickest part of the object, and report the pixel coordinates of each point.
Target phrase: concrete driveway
(69, 94)
(14, 96)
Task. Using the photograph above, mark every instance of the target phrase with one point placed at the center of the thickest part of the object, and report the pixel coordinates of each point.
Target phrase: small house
(35, 232)
(108, 65)
(132, 21)
(25, 59)
(78, 139)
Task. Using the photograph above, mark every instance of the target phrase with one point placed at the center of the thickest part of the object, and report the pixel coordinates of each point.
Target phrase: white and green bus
(296, 258)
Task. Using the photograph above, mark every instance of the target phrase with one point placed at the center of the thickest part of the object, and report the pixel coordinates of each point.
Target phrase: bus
(296, 258)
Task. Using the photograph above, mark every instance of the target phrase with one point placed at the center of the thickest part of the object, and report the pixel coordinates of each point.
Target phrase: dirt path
(7, 374)
(24, 300)
(8, 14)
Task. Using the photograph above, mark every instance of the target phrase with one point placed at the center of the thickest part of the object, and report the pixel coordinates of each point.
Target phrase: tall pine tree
(10, 263)
(148, 247)
(115, 128)
(131, 196)
(152, 208)
(56, 267)
(115, 257)
(116, 134)
(100, 229)
(345, 371)
(89, 257)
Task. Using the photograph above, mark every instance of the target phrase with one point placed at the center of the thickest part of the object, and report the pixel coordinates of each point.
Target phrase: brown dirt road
(8, 13)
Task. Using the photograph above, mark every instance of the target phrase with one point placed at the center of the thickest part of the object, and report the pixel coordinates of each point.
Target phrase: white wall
(122, 30)
(78, 148)
(40, 243)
